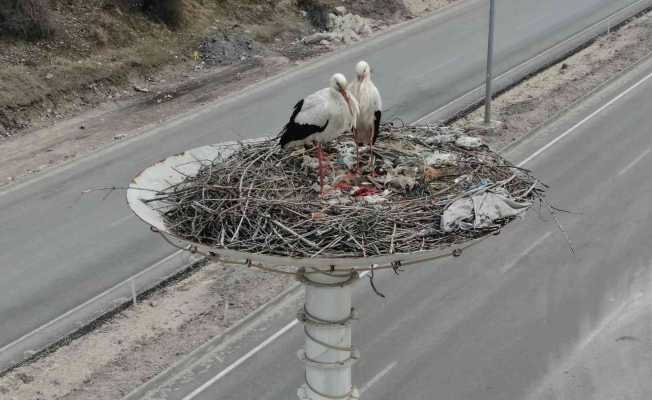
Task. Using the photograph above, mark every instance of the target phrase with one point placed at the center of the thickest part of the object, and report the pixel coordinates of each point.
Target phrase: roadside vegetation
(83, 51)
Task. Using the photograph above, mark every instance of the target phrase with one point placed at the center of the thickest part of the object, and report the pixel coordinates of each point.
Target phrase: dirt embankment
(96, 48)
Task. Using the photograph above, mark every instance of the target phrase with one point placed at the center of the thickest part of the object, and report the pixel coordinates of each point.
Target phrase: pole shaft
(328, 353)
(490, 61)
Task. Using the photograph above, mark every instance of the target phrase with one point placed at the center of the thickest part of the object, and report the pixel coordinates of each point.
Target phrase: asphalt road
(57, 250)
(493, 322)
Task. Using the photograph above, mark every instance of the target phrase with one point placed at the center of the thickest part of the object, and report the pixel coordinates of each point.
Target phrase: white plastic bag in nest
(468, 142)
(481, 210)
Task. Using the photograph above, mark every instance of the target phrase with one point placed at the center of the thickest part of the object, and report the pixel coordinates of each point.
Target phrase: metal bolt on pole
(328, 354)
(490, 61)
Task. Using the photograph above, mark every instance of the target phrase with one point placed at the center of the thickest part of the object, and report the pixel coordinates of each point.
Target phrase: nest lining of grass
(265, 200)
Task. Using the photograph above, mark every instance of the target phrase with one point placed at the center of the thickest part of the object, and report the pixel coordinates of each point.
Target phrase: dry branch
(262, 199)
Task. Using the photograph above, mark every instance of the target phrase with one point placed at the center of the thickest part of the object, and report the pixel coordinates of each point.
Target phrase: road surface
(493, 322)
(58, 250)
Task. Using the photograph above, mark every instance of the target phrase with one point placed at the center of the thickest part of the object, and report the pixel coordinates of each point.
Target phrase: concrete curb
(195, 356)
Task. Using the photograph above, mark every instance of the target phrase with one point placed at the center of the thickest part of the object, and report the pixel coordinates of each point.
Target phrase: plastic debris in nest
(482, 210)
(468, 142)
(424, 192)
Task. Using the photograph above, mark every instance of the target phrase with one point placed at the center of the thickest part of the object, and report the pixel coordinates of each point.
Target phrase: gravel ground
(229, 48)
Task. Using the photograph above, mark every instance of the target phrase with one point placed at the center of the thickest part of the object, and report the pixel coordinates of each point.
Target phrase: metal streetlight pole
(490, 61)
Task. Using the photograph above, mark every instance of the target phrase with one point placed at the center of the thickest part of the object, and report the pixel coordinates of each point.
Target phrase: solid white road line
(634, 162)
(525, 252)
(378, 377)
(583, 121)
(241, 360)
(528, 159)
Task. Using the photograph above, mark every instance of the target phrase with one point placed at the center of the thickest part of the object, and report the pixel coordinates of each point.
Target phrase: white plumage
(321, 117)
(370, 108)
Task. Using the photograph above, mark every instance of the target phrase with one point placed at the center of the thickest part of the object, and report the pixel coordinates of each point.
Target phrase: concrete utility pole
(328, 354)
(490, 61)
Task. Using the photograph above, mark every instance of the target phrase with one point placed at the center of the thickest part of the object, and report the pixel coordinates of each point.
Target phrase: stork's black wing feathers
(377, 115)
(293, 131)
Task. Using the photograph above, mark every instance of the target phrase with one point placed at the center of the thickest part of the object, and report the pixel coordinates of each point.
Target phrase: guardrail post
(134, 297)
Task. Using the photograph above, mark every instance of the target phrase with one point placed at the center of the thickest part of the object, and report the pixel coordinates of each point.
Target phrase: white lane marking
(120, 220)
(87, 302)
(378, 377)
(241, 360)
(583, 121)
(525, 252)
(247, 356)
(634, 162)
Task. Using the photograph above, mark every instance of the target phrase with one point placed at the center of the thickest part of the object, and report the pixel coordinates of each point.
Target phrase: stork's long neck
(348, 102)
(344, 95)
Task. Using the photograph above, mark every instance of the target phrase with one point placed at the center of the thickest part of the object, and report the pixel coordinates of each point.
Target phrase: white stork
(321, 117)
(368, 122)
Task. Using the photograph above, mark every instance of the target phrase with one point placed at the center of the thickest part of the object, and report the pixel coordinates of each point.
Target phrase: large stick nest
(263, 199)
